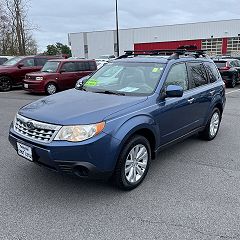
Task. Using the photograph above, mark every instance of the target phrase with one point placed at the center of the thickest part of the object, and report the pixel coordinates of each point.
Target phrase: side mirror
(20, 65)
(62, 71)
(174, 91)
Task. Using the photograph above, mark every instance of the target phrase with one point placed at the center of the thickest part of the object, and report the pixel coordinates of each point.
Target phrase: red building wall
(175, 45)
(167, 45)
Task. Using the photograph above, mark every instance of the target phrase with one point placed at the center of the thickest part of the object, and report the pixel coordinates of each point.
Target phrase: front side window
(178, 76)
(126, 78)
(50, 67)
(198, 75)
(212, 72)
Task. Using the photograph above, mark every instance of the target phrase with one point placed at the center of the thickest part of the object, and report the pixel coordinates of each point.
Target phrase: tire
(233, 83)
(212, 127)
(51, 88)
(130, 172)
(5, 84)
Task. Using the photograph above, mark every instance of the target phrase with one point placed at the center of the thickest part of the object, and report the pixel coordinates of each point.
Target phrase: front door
(176, 115)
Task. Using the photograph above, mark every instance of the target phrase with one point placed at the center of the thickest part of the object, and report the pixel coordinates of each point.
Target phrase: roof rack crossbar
(173, 53)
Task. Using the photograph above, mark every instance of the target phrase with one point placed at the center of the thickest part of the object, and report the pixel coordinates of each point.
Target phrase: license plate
(24, 151)
(25, 85)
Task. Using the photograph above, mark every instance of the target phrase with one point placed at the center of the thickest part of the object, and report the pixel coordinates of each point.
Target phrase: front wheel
(212, 127)
(5, 84)
(133, 163)
(51, 88)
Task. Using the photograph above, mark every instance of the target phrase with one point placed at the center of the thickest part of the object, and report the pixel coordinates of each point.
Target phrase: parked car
(106, 58)
(230, 70)
(114, 129)
(58, 75)
(3, 59)
(14, 70)
(101, 63)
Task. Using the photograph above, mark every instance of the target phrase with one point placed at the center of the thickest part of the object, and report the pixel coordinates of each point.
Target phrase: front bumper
(34, 86)
(94, 158)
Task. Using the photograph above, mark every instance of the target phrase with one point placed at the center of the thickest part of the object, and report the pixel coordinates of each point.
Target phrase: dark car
(3, 59)
(113, 125)
(57, 75)
(13, 71)
(230, 70)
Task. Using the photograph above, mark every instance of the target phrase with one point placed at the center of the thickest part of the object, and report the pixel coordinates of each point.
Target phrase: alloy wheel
(214, 124)
(136, 163)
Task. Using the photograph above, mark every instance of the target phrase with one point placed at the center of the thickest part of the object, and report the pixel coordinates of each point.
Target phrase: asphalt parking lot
(191, 192)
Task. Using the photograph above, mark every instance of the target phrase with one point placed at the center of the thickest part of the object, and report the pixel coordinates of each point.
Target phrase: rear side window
(40, 61)
(220, 64)
(92, 66)
(178, 76)
(212, 72)
(80, 66)
(198, 75)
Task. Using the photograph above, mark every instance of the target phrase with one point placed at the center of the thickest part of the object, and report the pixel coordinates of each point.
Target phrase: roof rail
(173, 53)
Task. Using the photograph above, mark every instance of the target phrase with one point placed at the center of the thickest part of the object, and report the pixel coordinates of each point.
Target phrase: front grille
(34, 130)
(30, 77)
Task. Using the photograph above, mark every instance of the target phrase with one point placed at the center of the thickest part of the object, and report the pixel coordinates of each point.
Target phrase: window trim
(173, 65)
(190, 75)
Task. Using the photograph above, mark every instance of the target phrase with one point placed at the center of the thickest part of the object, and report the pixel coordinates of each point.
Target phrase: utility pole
(117, 28)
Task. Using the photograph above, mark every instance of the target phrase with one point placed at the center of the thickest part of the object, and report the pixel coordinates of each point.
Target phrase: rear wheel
(133, 163)
(5, 84)
(51, 88)
(233, 83)
(212, 127)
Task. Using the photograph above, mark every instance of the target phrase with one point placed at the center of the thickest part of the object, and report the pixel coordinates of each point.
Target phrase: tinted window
(40, 61)
(220, 64)
(80, 66)
(69, 67)
(92, 66)
(28, 62)
(178, 76)
(212, 72)
(198, 75)
(2, 60)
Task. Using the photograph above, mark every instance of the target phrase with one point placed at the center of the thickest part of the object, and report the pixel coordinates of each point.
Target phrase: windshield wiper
(110, 92)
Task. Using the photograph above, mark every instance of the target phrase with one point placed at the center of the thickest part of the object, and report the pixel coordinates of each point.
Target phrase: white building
(217, 37)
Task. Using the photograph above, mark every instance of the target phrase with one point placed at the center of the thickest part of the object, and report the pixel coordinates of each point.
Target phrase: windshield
(50, 67)
(126, 78)
(13, 61)
(104, 57)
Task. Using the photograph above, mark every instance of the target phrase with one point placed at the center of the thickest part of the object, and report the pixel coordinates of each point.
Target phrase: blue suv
(118, 118)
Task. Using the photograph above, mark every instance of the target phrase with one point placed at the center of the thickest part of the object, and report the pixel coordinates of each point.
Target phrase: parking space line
(233, 91)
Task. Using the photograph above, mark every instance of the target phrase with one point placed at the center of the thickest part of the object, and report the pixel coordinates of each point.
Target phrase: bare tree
(16, 37)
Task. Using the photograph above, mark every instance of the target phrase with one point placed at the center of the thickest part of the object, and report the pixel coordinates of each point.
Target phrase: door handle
(212, 92)
(190, 100)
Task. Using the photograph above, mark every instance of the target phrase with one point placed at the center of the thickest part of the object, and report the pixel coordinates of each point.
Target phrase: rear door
(200, 90)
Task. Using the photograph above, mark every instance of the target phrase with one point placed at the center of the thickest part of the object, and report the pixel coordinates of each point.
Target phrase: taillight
(224, 68)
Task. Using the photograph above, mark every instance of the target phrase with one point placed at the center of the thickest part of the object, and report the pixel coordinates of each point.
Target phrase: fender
(133, 125)
(216, 100)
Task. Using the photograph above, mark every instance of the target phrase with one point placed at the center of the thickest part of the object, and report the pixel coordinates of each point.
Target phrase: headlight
(39, 78)
(79, 133)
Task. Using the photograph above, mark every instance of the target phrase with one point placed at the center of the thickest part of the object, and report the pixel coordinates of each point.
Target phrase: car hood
(3, 68)
(77, 107)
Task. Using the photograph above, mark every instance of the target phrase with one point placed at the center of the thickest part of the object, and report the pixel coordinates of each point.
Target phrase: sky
(54, 19)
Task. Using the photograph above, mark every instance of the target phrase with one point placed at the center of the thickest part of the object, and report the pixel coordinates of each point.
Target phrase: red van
(57, 75)
(13, 71)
